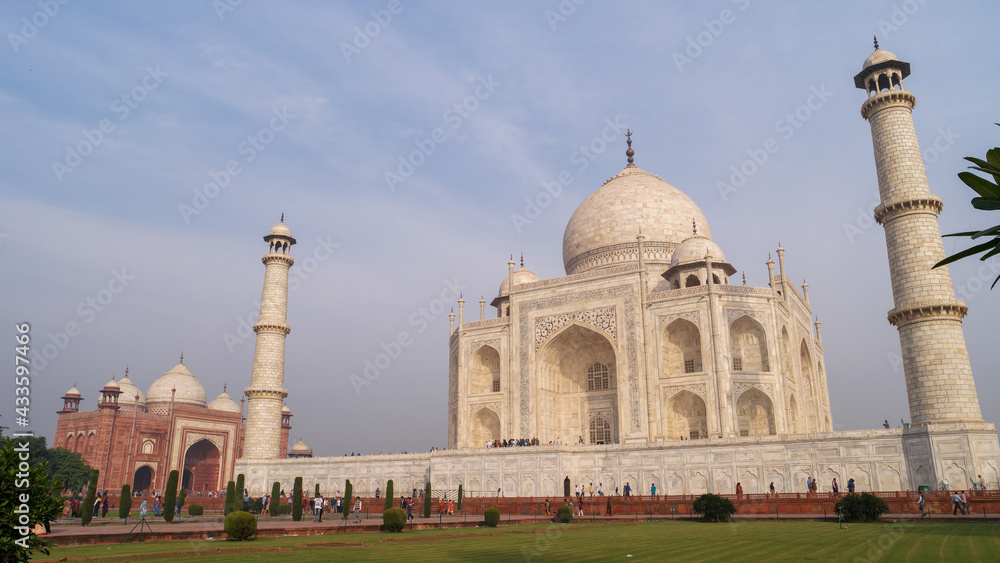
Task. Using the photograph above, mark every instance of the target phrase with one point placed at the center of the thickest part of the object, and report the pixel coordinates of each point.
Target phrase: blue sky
(121, 121)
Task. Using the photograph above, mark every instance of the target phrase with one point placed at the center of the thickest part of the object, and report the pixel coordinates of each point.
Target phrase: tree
(18, 518)
(348, 490)
(170, 497)
(714, 508)
(988, 200)
(180, 499)
(275, 497)
(460, 498)
(240, 487)
(297, 500)
(230, 504)
(427, 500)
(87, 510)
(388, 494)
(125, 502)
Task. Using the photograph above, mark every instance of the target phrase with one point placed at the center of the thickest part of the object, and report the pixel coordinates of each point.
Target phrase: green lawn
(645, 541)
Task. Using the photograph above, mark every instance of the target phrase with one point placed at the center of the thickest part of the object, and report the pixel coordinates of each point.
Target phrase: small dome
(286, 410)
(129, 391)
(112, 384)
(695, 249)
(879, 56)
(189, 390)
(300, 447)
(280, 230)
(520, 276)
(73, 392)
(225, 403)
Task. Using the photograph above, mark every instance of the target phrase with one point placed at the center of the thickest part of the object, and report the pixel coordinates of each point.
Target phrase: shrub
(240, 485)
(196, 510)
(317, 490)
(230, 505)
(564, 514)
(388, 494)
(240, 525)
(864, 507)
(394, 519)
(87, 510)
(170, 497)
(714, 508)
(297, 500)
(256, 505)
(125, 502)
(460, 498)
(492, 517)
(181, 496)
(279, 508)
(275, 497)
(427, 500)
(348, 504)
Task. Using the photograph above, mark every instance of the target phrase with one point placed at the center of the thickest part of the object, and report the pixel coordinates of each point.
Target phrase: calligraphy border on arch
(696, 388)
(493, 342)
(693, 316)
(602, 319)
(733, 314)
(741, 387)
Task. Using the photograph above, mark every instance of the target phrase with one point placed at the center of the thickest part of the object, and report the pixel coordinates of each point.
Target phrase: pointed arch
(484, 373)
(687, 417)
(755, 414)
(202, 459)
(485, 427)
(748, 345)
(681, 349)
(692, 281)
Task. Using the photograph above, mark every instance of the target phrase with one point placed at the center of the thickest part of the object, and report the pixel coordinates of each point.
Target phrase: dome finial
(182, 357)
(694, 225)
(522, 259)
(126, 370)
(744, 278)
(629, 153)
(876, 42)
(224, 385)
(282, 217)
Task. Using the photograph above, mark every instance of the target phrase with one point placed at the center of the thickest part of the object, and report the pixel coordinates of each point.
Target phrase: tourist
(600, 489)
(850, 485)
(982, 485)
(591, 489)
(628, 490)
(142, 509)
(378, 491)
(885, 424)
(739, 489)
(409, 509)
(318, 508)
(616, 490)
(576, 491)
(835, 487)
(772, 487)
(579, 506)
(357, 510)
(652, 489)
(920, 503)
(157, 507)
(97, 504)
(809, 484)
(67, 508)
(965, 502)
(548, 509)
(956, 504)
(607, 511)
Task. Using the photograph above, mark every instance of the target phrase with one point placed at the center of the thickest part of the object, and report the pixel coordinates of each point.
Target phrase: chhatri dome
(520, 276)
(225, 403)
(602, 231)
(129, 391)
(189, 390)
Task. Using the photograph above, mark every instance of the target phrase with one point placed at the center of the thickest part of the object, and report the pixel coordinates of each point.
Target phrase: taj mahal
(652, 362)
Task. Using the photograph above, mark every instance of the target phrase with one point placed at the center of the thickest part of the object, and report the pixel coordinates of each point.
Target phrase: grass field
(645, 541)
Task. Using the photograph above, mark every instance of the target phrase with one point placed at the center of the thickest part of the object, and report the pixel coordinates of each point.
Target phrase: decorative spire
(282, 217)
(126, 370)
(629, 153)
(744, 278)
(224, 387)
(694, 225)
(522, 259)
(182, 357)
(876, 43)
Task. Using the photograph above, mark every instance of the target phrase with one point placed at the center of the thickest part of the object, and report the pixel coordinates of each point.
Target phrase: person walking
(850, 485)
(579, 506)
(961, 495)
(409, 509)
(600, 489)
(956, 504)
(920, 504)
(652, 489)
(627, 489)
(739, 489)
(546, 506)
(607, 511)
(357, 510)
(835, 487)
(772, 487)
(809, 484)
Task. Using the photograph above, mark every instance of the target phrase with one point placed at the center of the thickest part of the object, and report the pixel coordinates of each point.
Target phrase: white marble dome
(520, 276)
(73, 392)
(300, 447)
(129, 391)
(695, 249)
(225, 403)
(602, 231)
(280, 230)
(189, 390)
(879, 56)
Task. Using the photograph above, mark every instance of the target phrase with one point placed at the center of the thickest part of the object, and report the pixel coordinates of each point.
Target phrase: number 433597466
(21, 372)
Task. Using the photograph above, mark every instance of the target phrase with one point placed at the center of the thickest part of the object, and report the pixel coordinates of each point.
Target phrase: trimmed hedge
(394, 519)
(459, 498)
(388, 494)
(348, 501)
(492, 517)
(427, 500)
(863, 507)
(275, 497)
(230, 505)
(181, 496)
(170, 498)
(240, 525)
(297, 500)
(714, 508)
(196, 510)
(125, 502)
(564, 514)
(87, 510)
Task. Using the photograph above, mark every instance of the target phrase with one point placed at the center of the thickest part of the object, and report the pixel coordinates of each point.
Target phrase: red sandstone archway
(143, 479)
(202, 461)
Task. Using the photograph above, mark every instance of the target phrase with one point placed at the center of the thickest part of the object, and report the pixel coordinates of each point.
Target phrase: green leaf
(986, 203)
(967, 252)
(981, 186)
(963, 234)
(990, 231)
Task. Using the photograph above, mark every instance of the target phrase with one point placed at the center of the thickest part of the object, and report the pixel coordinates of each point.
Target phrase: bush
(394, 519)
(864, 507)
(125, 502)
(256, 505)
(297, 500)
(87, 510)
(170, 497)
(714, 508)
(348, 501)
(492, 517)
(388, 494)
(279, 508)
(181, 496)
(275, 497)
(196, 510)
(241, 525)
(460, 498)
(240, 485)
(230, 505)
(564, 514)
(427, 500)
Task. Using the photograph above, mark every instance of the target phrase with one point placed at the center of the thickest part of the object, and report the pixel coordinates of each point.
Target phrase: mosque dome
(280, 230)
(879, 56)
(225, 403)
(300, 447)
(111, 384)
(695, 249)
(129, 391)
(189, 390)
(520, 276)
(73, 392)
(602, 231)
